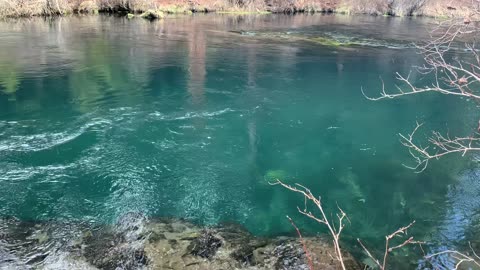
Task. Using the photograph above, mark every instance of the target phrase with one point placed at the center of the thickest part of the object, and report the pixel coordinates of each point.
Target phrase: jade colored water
(194, 117)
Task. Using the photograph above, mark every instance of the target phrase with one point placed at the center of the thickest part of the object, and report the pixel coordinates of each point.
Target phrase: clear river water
(192, 116)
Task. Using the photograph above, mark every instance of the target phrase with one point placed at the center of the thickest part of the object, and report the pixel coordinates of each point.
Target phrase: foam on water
(44, 141)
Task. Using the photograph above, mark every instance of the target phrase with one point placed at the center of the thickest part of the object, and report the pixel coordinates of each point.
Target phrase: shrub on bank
(26, 8)
(19, 8)
(88, 7)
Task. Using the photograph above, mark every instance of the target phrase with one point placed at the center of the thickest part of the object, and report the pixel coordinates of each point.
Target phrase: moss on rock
(152, 14)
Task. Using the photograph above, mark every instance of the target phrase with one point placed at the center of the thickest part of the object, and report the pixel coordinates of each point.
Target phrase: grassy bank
(433, 8)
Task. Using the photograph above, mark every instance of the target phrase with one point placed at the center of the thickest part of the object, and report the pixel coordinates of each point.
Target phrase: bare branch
(369, 254)
(443, 145)
(458, 256)
(451, 76)
(398, 233)
(335, 232)
(307, 253)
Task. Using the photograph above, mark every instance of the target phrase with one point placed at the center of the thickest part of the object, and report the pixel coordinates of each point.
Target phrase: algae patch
(327, 39)
(328, 42)
(240, 12)
(274, 175)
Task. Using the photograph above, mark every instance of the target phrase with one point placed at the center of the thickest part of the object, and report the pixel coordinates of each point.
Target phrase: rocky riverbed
(136, 242)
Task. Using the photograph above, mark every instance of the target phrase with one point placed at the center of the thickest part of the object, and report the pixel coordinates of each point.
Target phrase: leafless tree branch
(439, 145)
(336, 230)
(305, 249)
(398, 233)
(451, 76)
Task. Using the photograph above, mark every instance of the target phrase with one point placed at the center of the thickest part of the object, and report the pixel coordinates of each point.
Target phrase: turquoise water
(191, 117)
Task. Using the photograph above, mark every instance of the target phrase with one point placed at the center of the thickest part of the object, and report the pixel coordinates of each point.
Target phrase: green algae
(274, 175)
(242, 12)
(331, 42)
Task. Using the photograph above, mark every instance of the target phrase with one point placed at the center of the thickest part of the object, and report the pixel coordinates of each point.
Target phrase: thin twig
(307, 253)
(398, 233)
(335, 231)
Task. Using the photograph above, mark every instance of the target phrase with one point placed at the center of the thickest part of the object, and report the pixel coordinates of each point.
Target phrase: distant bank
(430, 8)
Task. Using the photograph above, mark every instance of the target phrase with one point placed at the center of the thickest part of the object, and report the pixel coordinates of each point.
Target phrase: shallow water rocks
(290, 256)
(229, 246)
(117, 247)
(205, 246)
(136, 242)
(107, 250)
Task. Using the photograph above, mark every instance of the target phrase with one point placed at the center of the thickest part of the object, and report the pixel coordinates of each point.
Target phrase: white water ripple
(48, 140)
(189, 115)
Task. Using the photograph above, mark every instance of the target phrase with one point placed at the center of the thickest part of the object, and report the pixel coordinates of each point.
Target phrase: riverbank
(135, 242)
(433, 8)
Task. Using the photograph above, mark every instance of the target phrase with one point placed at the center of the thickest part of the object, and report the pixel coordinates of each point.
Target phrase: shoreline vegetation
(153, 9)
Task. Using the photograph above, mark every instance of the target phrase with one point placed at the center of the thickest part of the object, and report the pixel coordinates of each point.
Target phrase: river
(192, 116)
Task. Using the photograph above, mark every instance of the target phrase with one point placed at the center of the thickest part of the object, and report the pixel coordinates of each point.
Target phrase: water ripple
(189, 115)
(48, 140)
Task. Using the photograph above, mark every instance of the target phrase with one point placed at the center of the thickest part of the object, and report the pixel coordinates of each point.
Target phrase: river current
(192, 116)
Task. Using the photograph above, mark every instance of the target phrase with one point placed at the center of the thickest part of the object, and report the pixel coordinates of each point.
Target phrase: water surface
(191, 117)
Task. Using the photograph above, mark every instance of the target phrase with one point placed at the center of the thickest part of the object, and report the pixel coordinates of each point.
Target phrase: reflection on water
(460, 220)
(197, 50)
(185, 117)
